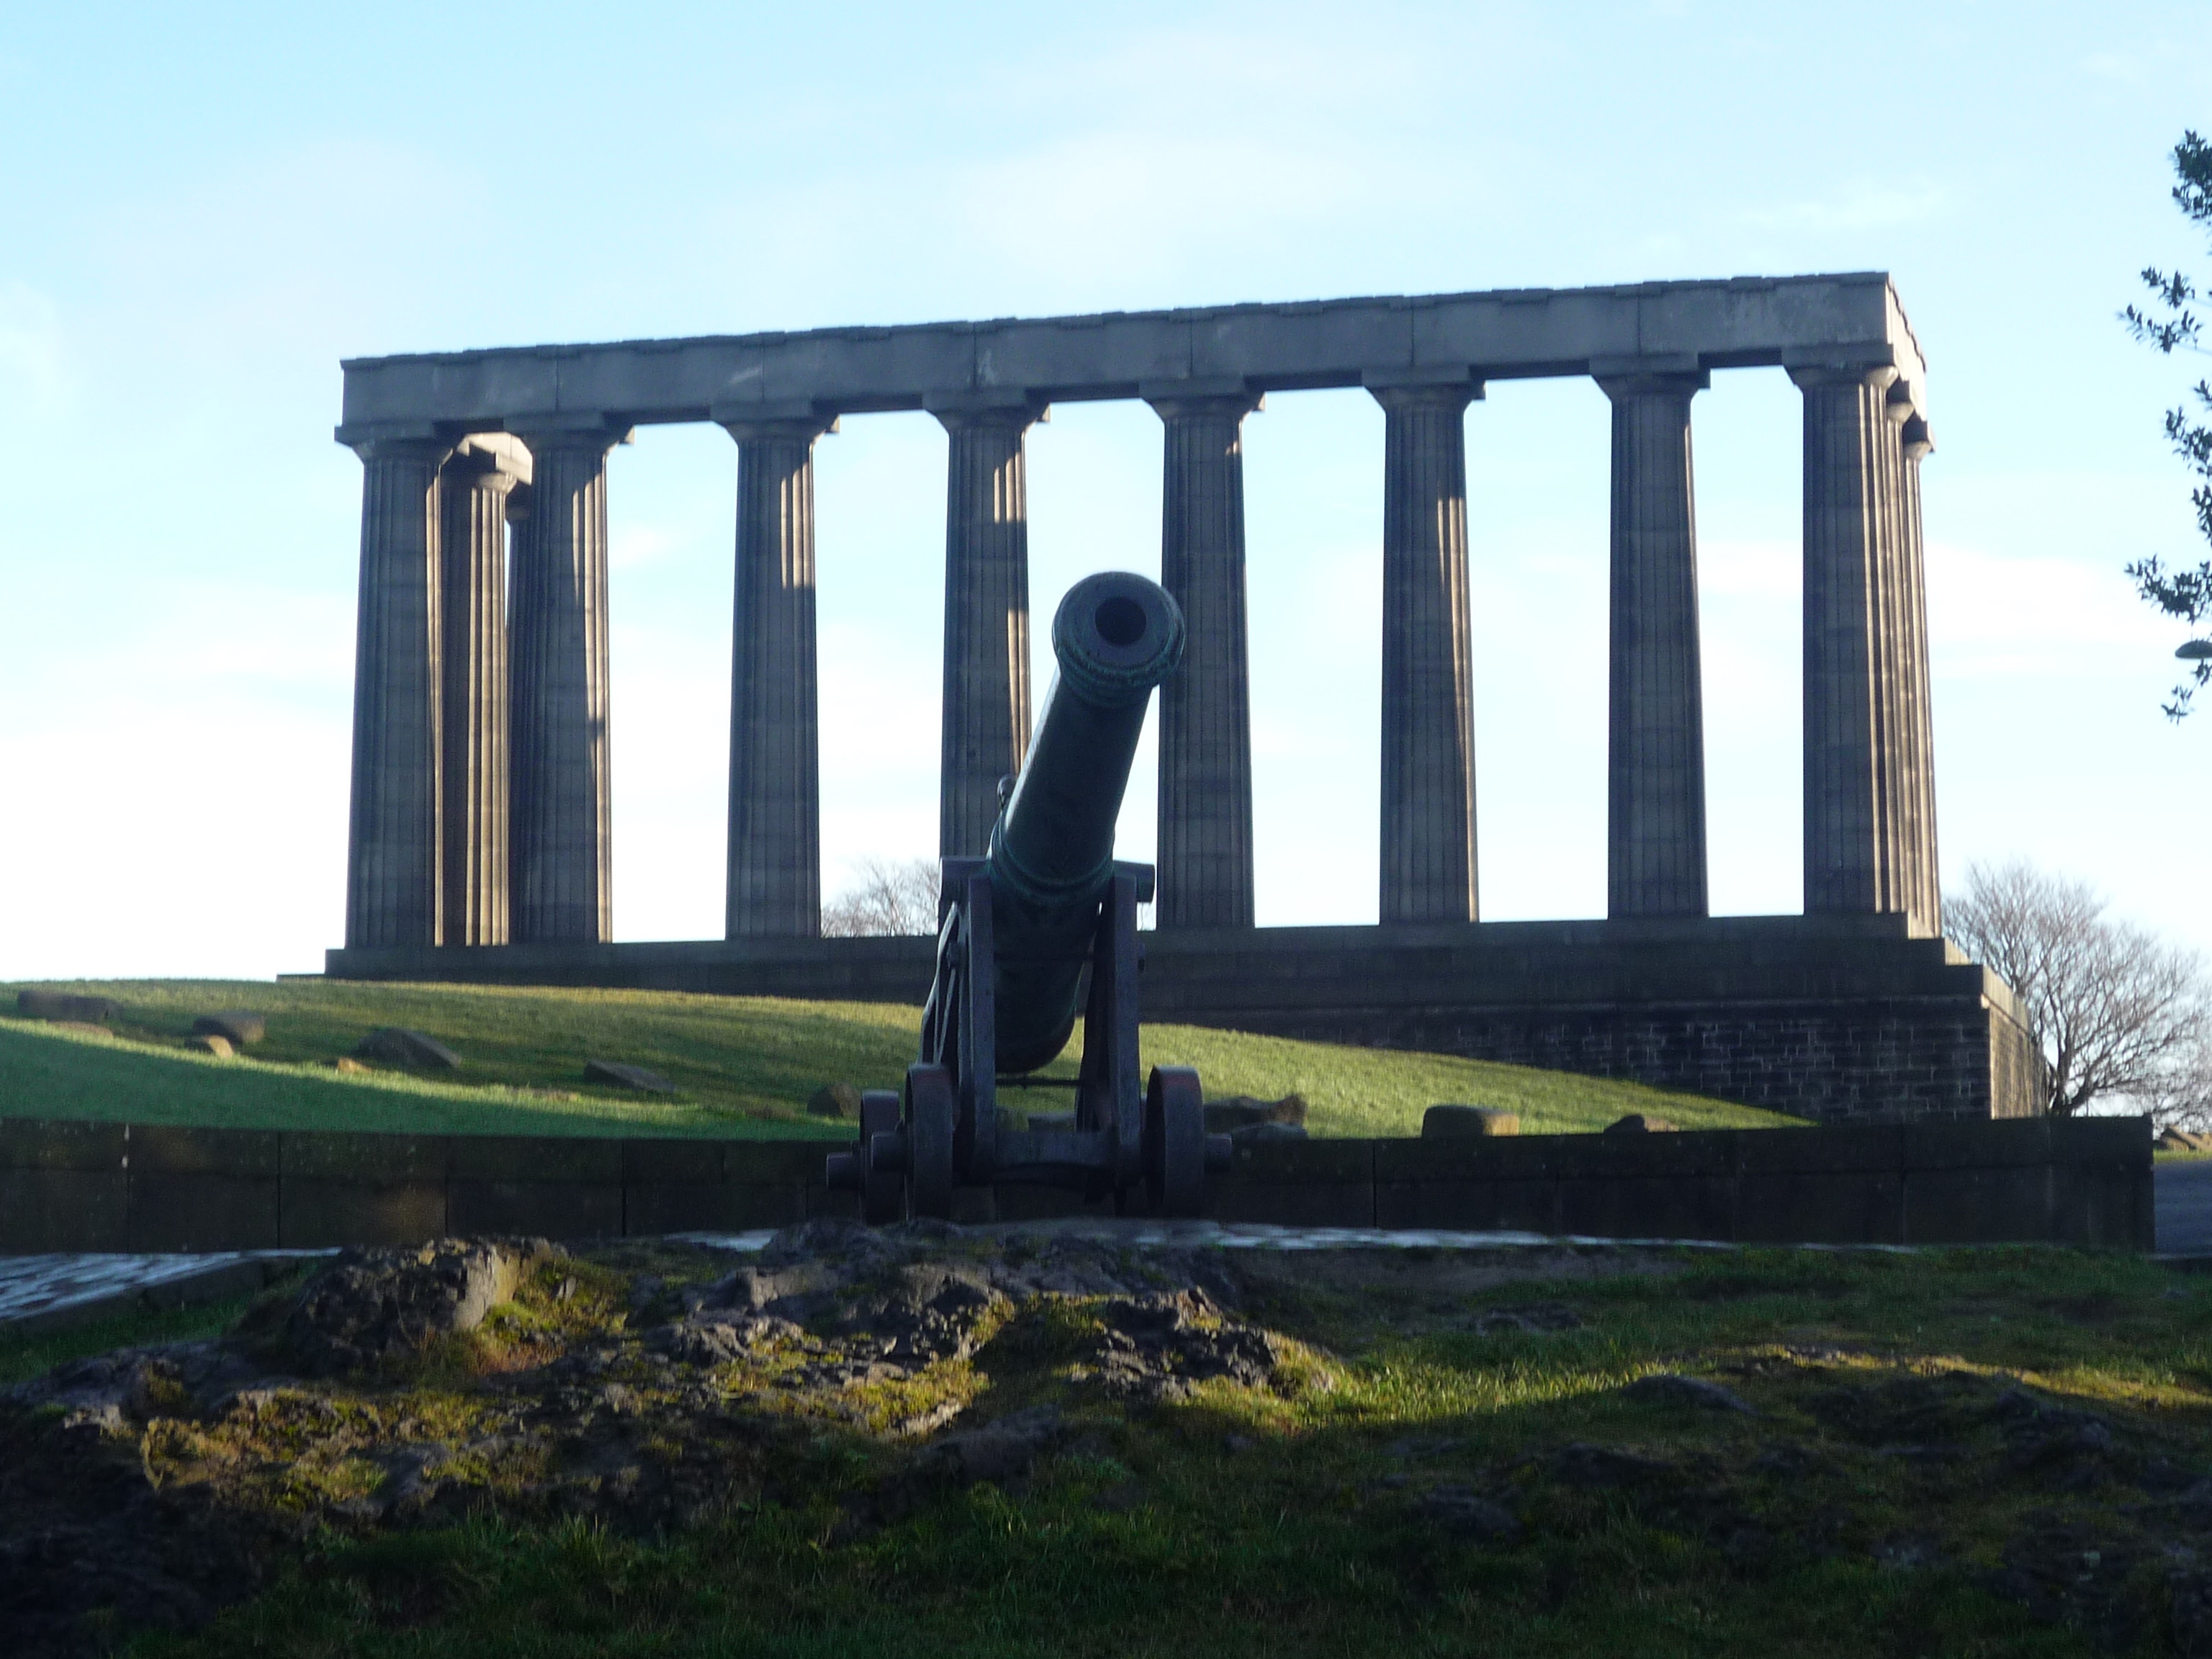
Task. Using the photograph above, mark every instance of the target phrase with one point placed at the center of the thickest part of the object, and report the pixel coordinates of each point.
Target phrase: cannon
(1019, 928)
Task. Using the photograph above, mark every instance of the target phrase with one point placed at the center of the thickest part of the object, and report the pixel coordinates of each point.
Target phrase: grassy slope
(745, 1065)
(1244, 1524)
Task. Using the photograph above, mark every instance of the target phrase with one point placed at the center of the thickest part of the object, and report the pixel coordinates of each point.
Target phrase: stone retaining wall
(72, 1186)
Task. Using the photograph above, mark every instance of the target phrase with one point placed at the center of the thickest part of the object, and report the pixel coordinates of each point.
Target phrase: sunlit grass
(743, 1066)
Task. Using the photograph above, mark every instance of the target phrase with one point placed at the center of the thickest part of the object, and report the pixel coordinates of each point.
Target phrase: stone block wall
(76, 1186)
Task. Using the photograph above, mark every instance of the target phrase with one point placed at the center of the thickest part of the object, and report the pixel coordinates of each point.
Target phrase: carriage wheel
(882, 1194)
(1175, 1141)
(931, 1110)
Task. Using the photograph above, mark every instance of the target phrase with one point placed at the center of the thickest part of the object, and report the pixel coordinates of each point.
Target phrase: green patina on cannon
(1019, 928)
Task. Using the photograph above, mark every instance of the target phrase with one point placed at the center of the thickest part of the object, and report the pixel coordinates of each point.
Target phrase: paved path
(39, 1291)
(2184, 1189)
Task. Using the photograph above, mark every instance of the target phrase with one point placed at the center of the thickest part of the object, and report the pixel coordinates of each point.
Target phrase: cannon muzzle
(1117, 636)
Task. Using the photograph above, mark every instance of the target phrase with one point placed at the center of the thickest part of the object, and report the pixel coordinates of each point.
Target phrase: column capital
(797, 423)
(563, 430)
(1623, 378)
(1441, 387)
(1918, 442)
(1174, 400)
(993, 407)
(414, 441)
(1808, 373)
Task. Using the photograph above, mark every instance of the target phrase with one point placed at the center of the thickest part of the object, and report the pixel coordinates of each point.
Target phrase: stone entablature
(1789, 322)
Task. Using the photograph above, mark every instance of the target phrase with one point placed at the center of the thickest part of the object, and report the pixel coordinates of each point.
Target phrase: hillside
(744, 1065)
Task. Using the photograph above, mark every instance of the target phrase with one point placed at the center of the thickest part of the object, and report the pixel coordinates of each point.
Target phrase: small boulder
(347, 1063)
(207, 1042)
(395, 1045)
(1467, 1122)
(381, 1304)
(65, 1005)
(1636, 1123)
(235, 1026)
(1227, 1113)
(624, 1076)
(834, 1100)
(997, 1452)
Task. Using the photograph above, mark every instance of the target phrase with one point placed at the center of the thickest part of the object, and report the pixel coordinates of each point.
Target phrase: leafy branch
(2167, 326)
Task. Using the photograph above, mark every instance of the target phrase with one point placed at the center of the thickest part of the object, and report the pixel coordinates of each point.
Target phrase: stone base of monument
(1837, 1018)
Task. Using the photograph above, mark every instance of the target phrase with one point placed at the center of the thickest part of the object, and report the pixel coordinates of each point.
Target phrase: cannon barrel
(1116, 636)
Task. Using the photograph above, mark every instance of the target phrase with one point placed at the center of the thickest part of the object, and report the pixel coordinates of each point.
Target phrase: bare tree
(2116, 1011)
(888, 897)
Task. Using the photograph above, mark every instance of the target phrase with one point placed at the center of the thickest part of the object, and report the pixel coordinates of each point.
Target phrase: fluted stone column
(1656, 756)
(1206, 714)
(392, 855)
(1869, 820)
(560, 810)
(986, 717)
(478, 486)
(1428, 712)
(1926, 897)
(775, 884)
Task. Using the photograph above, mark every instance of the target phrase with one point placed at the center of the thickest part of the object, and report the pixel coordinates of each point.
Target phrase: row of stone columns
(480, 786)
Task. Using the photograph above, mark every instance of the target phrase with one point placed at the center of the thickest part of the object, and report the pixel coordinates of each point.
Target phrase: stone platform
(1837, 1018)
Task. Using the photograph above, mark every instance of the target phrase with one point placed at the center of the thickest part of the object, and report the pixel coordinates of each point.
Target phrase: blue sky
(202, 212)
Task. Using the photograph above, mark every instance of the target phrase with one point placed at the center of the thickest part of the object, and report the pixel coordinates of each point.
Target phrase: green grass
(1283, 1525)
(744, 1065)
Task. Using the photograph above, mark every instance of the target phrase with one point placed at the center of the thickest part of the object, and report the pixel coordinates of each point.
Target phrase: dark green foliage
(2168, 326)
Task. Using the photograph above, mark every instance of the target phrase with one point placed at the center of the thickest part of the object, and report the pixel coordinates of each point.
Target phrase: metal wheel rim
(931, 1111)
(1175, 1141)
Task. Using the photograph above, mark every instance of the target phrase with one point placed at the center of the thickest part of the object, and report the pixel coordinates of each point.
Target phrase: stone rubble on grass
(66, 1005)
(1461, 1122)
(626, 1076)
(207, 1042)
(236, 1026)
(1161, 1346)
(395, 1045)
(1637, 1123)
(1226, 1114)
(383, 1304)
(840, 1100)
